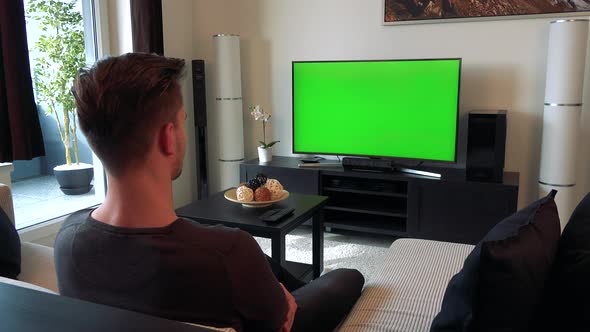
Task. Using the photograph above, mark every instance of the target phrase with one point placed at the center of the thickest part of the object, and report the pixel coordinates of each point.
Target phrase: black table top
(25, 310)
(218, 210)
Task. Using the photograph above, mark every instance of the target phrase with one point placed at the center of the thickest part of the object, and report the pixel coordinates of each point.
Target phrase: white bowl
(231, 196)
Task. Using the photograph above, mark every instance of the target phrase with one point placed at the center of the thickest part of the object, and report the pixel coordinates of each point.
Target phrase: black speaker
(199, 93)
(200, 106)
(486, 146)
(382, 165)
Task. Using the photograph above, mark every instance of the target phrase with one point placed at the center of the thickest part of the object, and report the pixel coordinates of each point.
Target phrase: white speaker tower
(228, 108)
(566, 58)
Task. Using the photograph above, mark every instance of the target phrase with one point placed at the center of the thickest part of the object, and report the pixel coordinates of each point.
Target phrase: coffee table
(217, 210)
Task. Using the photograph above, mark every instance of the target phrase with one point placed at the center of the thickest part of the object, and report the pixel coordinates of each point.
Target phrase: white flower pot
(264, 155)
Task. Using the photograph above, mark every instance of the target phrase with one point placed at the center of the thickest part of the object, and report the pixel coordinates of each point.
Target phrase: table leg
(318, 243)
(277, 243)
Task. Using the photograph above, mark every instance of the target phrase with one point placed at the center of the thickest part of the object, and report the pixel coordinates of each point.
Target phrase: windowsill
(41, 230)
(5, 170)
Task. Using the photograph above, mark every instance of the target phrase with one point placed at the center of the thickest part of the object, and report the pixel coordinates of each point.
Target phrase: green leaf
(271, 144)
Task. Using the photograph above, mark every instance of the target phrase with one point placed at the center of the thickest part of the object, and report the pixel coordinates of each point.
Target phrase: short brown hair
(122, 100)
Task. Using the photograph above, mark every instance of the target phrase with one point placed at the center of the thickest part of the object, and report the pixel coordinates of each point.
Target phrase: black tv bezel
(454, 161)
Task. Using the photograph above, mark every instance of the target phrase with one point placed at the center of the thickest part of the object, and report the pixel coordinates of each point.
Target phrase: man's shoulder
(218, 237)
(69, 228)
(76, 218)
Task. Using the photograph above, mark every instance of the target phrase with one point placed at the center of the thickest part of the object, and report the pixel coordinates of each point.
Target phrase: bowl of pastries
(257, 192)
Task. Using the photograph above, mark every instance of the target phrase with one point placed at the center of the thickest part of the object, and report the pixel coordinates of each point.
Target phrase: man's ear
(167, 139)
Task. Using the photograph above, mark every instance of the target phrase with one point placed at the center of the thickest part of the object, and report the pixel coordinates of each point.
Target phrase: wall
(119, 27)
(503, 64)
(177, 17)
(178, 43)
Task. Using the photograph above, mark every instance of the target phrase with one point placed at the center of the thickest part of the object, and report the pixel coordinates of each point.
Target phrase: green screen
(396, 108)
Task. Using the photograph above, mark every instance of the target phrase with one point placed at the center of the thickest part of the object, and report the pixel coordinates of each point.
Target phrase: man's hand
(291, 311)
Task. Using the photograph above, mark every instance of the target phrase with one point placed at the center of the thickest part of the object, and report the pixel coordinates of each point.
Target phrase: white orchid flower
(258, 114)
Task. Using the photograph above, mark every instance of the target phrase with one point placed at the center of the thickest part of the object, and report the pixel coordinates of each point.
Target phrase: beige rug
(341, 250)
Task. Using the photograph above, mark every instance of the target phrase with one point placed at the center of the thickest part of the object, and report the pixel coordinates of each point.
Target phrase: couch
(37, 269)
(523, 275)
(406, 292)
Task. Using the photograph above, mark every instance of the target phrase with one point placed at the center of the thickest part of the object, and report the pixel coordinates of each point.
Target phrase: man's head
(131, 106)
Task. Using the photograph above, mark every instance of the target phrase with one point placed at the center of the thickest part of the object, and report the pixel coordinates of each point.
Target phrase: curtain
(146, 26)
(20, 131)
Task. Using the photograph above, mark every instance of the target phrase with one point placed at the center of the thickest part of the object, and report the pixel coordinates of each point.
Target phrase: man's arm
(288, 324)
(256, 293)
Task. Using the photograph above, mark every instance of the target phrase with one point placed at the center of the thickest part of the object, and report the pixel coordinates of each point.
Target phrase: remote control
(275, 214)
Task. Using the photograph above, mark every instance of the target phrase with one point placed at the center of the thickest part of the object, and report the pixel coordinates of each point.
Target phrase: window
(58, 47)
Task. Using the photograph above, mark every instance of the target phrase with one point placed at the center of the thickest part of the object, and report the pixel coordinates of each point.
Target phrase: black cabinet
(398, 204)
(381, 204)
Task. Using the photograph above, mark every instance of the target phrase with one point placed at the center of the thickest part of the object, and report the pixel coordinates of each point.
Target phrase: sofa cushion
(37, 266)
(566, 306)
(406, 291)
(516, 256)
(9, 248)
(26, 285)
(514, 271)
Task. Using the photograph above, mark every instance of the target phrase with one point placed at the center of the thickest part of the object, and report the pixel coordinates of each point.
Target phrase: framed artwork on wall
(437, 11)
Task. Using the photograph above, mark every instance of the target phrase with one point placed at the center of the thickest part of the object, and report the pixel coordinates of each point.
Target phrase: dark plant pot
(76, 180)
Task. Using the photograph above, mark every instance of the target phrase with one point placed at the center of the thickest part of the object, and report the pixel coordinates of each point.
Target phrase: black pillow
(566, 306)
(9, 248)
(514, 266)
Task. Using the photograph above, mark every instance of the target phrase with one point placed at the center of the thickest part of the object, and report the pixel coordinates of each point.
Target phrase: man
(134, 252)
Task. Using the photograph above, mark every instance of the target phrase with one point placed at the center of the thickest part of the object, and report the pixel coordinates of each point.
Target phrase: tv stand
(448, 208)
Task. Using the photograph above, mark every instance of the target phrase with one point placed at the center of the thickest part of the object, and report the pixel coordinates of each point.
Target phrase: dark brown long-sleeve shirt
(186, 271)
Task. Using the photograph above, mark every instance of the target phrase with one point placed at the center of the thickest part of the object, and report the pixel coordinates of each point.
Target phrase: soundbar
(319, 165)
(383, 165)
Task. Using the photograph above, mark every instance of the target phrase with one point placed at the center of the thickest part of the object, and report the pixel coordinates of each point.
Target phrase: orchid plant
(259, 114)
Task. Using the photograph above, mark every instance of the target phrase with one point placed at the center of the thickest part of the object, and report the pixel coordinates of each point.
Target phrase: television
(399, 109)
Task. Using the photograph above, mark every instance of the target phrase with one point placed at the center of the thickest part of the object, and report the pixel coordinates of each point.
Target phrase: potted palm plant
(60, 54)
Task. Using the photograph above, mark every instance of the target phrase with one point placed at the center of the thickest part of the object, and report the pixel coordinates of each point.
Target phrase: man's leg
(283, 276)
(325, 301)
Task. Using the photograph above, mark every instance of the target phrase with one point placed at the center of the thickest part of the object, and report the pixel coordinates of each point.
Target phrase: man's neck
(138, 201)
